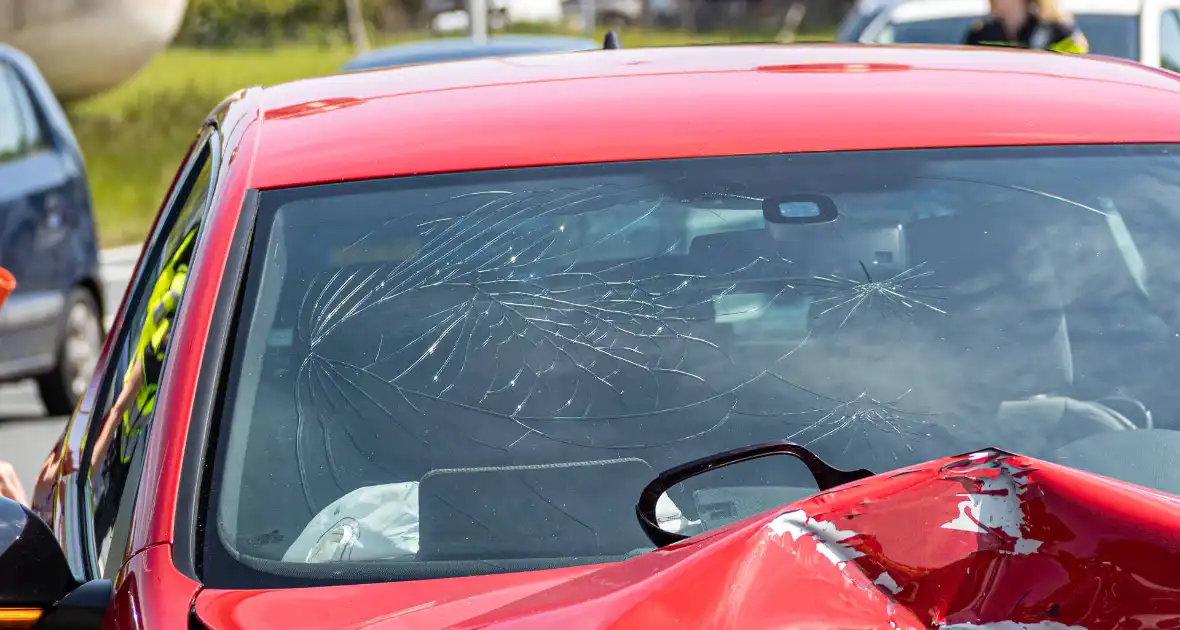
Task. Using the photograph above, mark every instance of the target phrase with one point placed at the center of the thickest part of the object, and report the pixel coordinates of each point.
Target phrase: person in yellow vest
(141, 381)
(1034, 24)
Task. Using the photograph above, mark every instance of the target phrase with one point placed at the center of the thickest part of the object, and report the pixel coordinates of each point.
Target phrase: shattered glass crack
(549, 311)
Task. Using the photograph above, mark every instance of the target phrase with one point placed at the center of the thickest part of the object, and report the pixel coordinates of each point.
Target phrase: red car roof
(709, 100)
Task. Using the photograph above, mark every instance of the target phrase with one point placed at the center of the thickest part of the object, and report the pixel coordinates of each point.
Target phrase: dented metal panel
(985, 540)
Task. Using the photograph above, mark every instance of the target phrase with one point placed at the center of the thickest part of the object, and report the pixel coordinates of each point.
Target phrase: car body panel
(152, 593)
(457, 49)
(266, 141)
(47, 233)
(1004, 539)
(746, 86)
(444, 602)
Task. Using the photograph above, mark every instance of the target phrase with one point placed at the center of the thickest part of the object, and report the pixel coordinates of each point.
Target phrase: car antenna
(612, 41)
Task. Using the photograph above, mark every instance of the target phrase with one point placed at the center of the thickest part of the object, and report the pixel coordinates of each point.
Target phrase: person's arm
(10, 487)
(59, 462)
(111, 420)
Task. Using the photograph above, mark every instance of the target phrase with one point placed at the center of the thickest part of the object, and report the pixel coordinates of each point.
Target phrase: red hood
(989, 538)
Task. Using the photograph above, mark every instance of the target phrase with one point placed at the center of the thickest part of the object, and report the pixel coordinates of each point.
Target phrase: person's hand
(10, 487)
(53, 468)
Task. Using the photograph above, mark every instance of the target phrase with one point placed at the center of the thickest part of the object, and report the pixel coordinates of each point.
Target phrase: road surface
(26, 435)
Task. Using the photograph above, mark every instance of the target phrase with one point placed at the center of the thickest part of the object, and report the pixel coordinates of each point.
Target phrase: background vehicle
(620, 13)
(451, 15)
(454, 49)
(860, 17)
(1147, 31)
(449, 322)
(52, 326)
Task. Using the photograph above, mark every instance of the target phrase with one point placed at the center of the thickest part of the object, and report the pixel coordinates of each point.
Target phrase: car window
(457, 374)
(1170, 40)
(944, 31)
(1112, 35)
(20, 129)
(120, 432)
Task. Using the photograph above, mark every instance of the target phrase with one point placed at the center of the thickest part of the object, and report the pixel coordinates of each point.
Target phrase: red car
(507, 344)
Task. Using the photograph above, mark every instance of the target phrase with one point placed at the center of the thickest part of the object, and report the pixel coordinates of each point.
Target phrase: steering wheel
(1132, 409)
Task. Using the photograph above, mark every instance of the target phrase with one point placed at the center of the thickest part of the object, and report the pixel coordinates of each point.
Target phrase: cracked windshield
(463, 373)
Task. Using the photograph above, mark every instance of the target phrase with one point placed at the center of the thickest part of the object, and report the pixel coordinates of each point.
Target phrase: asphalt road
(26, 434)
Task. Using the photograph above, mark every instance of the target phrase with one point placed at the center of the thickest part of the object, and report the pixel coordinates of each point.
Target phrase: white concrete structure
(84, 47)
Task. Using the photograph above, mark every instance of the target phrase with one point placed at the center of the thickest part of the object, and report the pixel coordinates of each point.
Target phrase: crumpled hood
(987, 540)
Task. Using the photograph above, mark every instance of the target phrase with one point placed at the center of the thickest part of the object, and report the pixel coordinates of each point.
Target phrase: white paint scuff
(995, 507)
(829, 540)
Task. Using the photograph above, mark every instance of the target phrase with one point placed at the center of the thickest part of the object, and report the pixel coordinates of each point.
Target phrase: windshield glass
(1113, 35)
(466, 373)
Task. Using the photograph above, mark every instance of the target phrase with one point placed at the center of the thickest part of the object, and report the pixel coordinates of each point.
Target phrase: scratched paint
(830, 542)
(995, 506)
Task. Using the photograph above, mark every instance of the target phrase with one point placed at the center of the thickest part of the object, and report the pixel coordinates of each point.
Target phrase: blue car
(455, 49)
(51, 328)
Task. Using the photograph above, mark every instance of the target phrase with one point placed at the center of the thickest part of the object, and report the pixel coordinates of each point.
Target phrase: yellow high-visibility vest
(164, 300)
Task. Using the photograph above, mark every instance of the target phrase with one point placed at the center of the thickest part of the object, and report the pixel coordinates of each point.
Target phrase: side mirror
(718, 504)
(37, 588)
(34, 574)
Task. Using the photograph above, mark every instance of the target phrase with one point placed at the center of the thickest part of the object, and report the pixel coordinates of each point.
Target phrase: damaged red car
(727, 337)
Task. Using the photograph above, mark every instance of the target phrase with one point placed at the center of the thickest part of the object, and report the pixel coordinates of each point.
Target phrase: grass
(135, 136)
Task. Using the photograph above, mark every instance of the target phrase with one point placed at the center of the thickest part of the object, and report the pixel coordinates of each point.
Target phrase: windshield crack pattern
(500, 312)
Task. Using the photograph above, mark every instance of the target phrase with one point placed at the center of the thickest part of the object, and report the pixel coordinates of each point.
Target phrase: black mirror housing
(34, 574)
(825, 476)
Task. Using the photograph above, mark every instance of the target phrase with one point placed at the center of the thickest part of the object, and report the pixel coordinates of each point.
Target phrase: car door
(37, 208)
